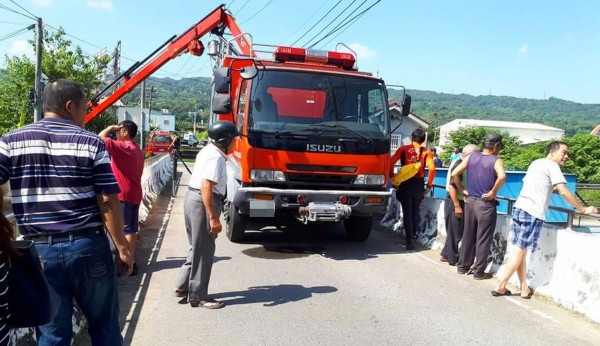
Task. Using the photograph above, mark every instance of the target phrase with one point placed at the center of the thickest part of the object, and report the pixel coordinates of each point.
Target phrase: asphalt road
(314, 287)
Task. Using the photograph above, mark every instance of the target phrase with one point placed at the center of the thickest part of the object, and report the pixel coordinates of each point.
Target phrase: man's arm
(393, 160)
(454, 197)
(104, 134)
(431, 172)
(206, 189)
(572, 200)
(500, 179)
(112, 215)
(456, 173)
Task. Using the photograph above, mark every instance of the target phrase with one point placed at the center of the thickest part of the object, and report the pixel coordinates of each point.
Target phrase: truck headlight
(369, 179)
(267, 175)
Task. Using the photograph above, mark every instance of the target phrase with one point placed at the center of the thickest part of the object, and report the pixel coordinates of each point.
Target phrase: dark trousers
(410, 195)
(454, 231)
(480, 223)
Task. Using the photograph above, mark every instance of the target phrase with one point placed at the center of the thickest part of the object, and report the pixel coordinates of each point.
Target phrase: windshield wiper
(337, 126)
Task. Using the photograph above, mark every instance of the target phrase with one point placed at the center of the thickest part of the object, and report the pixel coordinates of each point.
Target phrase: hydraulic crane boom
(216, 21)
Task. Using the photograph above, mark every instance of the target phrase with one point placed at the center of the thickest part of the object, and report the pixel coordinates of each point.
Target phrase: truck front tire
(358, 228)
(236, 224)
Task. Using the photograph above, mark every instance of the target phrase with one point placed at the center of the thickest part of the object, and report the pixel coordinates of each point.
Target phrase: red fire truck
(315, 144)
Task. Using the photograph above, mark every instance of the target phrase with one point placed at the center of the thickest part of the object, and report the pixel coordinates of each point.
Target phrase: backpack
(407, 171)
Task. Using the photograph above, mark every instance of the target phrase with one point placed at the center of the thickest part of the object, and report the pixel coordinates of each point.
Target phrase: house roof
(501, 124)
(415, 118)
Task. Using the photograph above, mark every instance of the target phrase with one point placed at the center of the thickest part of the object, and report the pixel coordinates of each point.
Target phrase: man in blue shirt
(63, 194)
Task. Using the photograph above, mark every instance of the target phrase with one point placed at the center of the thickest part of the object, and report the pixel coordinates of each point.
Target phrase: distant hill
(440, 108)
(190, 94)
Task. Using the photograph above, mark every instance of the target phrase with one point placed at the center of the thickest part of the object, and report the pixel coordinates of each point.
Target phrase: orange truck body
(315, 144)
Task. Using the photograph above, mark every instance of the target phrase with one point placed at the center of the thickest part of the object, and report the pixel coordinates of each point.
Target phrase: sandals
(208, 304)
(507, 292)
(529, 295)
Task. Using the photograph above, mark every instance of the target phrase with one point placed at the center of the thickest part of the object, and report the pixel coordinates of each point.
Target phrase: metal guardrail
(571, 213)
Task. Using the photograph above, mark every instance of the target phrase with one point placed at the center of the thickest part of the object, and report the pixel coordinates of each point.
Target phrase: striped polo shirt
(56, 169)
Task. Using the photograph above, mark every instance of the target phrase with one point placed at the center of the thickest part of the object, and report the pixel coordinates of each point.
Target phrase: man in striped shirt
(63, 194)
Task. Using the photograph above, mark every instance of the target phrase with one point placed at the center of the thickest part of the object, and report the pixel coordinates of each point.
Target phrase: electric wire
(306, 22)
(259, 11)
(16, 32)
(240, 10)
(343, 21)
(17, 12)
(24, 9)
(330, 22)
(344, 26)
(318, 22)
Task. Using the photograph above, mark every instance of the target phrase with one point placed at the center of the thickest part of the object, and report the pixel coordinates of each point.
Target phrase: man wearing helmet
(202, 208)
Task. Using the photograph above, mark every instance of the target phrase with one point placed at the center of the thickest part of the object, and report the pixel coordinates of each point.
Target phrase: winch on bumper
(309, 205)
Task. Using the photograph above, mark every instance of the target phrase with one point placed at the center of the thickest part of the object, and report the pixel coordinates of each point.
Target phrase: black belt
(65, 236)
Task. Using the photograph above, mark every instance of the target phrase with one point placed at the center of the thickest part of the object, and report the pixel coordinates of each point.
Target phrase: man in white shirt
(201, 209)
(542, 178)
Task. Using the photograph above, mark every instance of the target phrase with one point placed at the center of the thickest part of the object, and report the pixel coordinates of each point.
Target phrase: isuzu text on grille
(324, 148)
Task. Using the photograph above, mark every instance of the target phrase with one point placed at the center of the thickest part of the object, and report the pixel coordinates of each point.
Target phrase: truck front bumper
(256, 201)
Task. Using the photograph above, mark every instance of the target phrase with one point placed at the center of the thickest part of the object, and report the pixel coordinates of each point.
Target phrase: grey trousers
(194, 274)
(454, 231)
(480, 223)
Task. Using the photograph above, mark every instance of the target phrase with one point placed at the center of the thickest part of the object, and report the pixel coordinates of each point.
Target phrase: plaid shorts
(526, 230)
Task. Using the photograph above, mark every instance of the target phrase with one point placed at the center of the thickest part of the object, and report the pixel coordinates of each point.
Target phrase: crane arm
(186, 41)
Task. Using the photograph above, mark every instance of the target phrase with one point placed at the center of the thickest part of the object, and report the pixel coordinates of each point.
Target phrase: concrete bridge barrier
(565, 267)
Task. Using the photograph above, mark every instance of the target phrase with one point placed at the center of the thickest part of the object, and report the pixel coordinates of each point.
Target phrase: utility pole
(116, 63)
(37, 107)
(142, 117)
(152, 89)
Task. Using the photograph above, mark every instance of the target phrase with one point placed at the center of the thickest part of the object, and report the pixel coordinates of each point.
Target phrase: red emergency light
(343, 60)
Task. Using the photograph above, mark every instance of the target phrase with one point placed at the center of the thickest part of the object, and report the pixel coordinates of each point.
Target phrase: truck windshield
(284, 102)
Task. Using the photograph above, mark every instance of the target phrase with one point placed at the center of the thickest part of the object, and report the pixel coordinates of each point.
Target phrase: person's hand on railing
(589, 210)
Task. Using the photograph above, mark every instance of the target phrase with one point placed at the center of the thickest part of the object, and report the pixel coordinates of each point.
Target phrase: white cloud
(102, 4)
(45, 3)
(363, 52)
(523, 50)
(20, 47)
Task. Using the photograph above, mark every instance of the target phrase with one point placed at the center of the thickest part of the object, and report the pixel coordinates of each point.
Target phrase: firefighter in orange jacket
(410, 192)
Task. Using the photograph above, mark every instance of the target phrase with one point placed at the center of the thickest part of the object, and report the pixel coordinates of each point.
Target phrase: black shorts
(131, 217)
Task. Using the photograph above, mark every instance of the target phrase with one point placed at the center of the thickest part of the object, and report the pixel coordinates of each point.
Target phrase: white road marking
(427, 258)
(537, 312)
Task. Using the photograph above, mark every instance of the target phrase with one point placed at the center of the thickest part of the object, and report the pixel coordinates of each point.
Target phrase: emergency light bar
(343, 60)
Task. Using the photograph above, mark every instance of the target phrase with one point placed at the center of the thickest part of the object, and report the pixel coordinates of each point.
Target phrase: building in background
(163, 119)
(401, 136)
(527, 133)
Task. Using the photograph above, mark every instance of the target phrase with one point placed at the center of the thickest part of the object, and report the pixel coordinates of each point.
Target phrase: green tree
(59, 60)
(475, 135)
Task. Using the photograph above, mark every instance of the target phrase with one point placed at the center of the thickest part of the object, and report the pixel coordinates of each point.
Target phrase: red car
(159, 144)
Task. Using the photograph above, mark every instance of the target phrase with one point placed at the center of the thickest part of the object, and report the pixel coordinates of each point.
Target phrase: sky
(530, 49)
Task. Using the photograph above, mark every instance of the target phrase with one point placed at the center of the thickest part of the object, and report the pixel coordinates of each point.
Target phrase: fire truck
(315, 131)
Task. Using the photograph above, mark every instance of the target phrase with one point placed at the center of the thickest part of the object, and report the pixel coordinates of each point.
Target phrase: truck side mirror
(406, 105)
(248, 72)
(221, 80)
(221, 104)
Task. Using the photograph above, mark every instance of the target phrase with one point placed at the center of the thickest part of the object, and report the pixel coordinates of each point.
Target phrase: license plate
(262, 208)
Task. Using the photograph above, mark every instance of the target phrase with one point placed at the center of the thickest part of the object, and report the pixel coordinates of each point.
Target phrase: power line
(24, 9)
(259, 11)
(346, 25)
(77, 38)
(308, 20)
(17, 32)
(17, 12)
(344, 22)
(240, 10)
(3, 22)
(318, 22)
(331, 22)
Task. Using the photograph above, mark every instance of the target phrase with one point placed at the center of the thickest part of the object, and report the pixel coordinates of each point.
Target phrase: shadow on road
(327, 240)
(272, 295)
